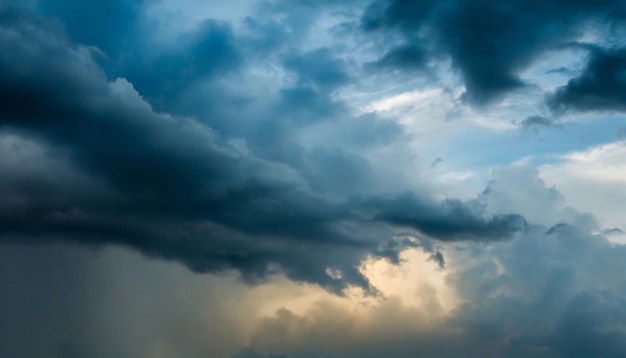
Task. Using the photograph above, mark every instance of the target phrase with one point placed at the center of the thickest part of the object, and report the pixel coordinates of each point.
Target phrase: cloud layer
(354, 179)
(172, 186)
(489, 42)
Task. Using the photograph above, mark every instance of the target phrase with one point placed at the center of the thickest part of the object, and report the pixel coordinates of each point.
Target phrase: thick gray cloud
(555, 291)
(110, 25)
(236, 148)
(489, 42)
(451, 220)
(173, 187)
(163, 77)
(600, 87)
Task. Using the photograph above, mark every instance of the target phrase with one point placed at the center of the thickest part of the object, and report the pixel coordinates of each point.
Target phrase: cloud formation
(489, 42)
(600, 87)
(173, 187)
(555, 291)
(537, 295)
(349, 177)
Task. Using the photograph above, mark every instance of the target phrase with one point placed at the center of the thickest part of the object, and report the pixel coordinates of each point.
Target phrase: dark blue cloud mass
(601, 85)
(489, 42)
(174, 187)
(248, 145)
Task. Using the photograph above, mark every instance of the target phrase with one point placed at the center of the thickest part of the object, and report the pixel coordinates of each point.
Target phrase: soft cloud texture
(312, 178)
(490, 43)
(174, 187)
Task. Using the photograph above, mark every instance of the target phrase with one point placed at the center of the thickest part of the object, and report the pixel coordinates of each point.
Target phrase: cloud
(109, 25)
(173, 187)
(287, 149)
(536, 295)
(523, 190)
(111, 302)
(406, 58)
(319, 69)
(553, 290)
(164, 75)
(452, 220)
(600, 87)
(534, 123)
(489, 42)
(177, 182)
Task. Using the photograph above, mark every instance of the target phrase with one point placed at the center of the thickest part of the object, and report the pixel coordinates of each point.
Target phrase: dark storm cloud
(549, 292)
(489, 42)
(449, 220)
(600, 87)
(172, 187)
(169, 173)
(318, 74)
(159, 73)
(148, 148)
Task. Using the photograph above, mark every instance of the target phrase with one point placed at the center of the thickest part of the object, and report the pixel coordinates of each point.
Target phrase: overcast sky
(295, 178)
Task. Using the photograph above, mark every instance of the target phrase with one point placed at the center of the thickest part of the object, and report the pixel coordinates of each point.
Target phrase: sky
(307, 179)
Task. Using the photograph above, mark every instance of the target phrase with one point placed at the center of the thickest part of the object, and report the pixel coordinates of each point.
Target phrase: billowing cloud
(489, 42)
(552, 292)
(537, 295)
(600, 87)
(174, 187)
(349, 178)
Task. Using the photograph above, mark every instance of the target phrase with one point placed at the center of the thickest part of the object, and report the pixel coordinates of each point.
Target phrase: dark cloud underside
(174, 187)
(248, 146)
(601, 85)
(489, 42)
